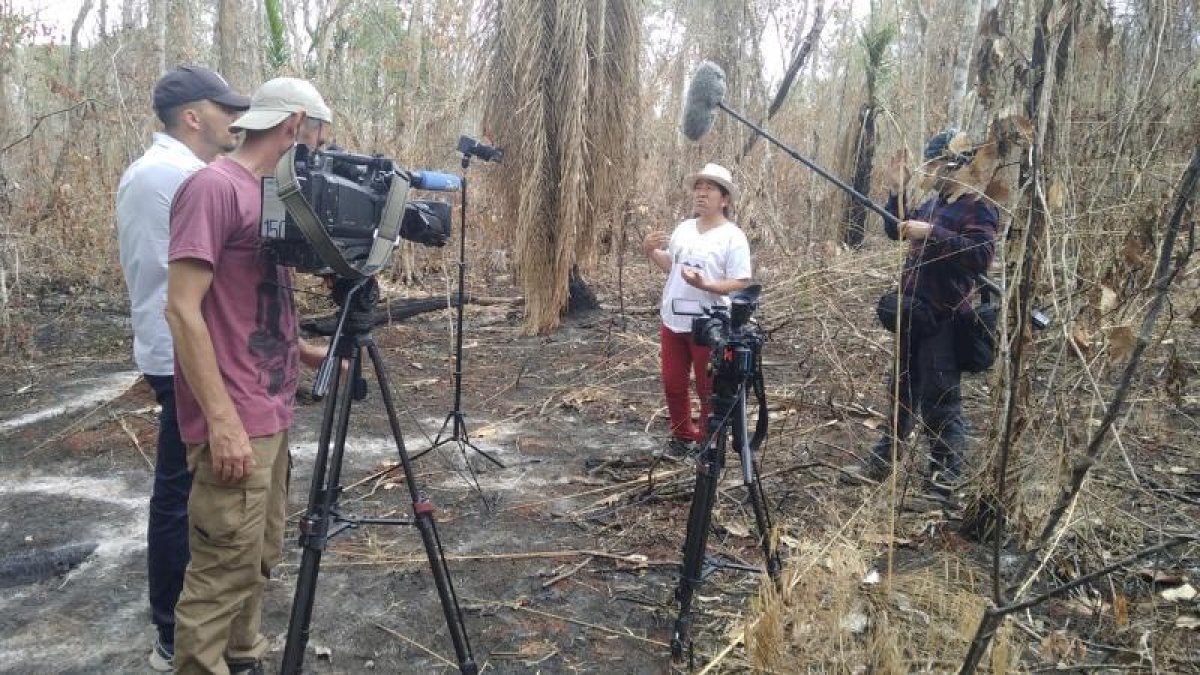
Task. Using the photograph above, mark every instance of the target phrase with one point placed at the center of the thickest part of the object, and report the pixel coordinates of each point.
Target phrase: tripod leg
(423, 519)
(314, 526)
(754, 486)
(708, 474)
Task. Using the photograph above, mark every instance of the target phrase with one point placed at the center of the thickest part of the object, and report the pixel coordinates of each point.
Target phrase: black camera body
(347, 192)
(731, 334)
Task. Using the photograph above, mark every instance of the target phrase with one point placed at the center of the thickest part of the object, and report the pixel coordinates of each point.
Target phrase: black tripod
(454, 422)
(322, 520)
(737, 364)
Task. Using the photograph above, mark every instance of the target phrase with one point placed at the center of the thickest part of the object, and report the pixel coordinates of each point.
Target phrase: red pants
(679, 356)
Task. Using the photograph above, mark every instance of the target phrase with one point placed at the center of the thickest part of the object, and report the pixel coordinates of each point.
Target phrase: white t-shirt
(719, 253)
(143, 232)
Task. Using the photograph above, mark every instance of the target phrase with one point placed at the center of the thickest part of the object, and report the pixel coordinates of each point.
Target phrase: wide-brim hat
(279, 98)
(715, 173)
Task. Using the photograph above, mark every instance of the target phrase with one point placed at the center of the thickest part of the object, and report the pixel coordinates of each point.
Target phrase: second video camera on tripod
(352, 197)
(719, 326)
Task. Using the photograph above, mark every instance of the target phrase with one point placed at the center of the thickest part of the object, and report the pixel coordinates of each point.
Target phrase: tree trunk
(180, 47)
(581, 298)
(130, 14)
(571, 72)
(233, 58)
(789, 77)
(960, 81)
(864, 162)
(156, 27)
(987, 515)
(102, 19)
(72, 80)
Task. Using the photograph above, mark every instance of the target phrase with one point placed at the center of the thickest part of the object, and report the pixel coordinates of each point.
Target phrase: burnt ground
(579, 498)
(564, 560)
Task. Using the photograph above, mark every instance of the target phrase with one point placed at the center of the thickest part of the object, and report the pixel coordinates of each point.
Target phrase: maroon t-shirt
(249, 308)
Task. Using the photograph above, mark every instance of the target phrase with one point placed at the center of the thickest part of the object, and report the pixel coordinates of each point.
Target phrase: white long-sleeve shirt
(143, 232)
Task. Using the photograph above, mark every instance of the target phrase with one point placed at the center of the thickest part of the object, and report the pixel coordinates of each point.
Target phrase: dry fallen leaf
(1188, 621)
(873, 577)
(1058, 646)
(881, 538)
(737, 529)
(1081, 339)
(1056, 196)
(1160, 576)
(789, 541)
(1121, 341)
(855, 621)
(1133, 254)
(1108, 299)
(1120, 607)
(873, 423)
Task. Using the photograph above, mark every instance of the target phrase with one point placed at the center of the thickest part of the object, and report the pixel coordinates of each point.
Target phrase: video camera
(734, 339)
(326, 209)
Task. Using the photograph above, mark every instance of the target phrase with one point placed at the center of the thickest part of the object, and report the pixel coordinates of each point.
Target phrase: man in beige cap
(233, 319)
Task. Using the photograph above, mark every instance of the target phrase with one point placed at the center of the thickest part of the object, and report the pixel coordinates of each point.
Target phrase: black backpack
(975, 334)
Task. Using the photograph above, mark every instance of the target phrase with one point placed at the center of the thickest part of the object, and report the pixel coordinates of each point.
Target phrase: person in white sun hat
(233, 319)
(706, 258)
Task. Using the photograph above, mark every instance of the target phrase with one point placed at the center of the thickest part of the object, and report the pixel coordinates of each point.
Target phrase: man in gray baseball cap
(196, 107)
(186, 84)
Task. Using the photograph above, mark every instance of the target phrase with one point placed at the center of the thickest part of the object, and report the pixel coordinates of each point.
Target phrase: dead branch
(798, 61)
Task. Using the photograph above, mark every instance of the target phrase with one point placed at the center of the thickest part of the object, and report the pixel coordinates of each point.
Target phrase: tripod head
(356, 300)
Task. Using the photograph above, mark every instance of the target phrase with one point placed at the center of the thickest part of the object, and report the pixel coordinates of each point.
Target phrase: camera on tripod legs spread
(325, 211)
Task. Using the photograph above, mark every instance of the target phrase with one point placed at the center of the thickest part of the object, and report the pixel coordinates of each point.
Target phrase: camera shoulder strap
(386, 237)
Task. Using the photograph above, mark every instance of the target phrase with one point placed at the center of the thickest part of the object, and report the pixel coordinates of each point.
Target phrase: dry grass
(828, 619)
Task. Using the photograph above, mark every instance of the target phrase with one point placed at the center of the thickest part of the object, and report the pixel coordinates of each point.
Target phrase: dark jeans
(930, 389)
(167, 535)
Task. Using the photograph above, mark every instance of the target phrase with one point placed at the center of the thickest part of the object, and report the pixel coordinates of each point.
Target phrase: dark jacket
(942, 269)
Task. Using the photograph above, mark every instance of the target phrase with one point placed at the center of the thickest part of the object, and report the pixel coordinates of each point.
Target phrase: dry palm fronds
(561, 90)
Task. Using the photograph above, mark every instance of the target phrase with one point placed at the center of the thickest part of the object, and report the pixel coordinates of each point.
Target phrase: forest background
(1090, 107)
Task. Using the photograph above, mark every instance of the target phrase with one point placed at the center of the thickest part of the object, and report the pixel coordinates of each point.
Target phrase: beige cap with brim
(276, 99)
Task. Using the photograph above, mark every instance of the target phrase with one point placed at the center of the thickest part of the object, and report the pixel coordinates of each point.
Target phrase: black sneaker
(246, 668)
(680, 449)
(162, 657)
(943, 489)
(871, 469)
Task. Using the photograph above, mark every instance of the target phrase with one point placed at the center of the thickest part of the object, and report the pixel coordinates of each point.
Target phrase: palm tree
(562, 92)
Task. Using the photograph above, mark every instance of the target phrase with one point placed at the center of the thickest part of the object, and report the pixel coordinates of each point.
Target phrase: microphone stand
(454, 422)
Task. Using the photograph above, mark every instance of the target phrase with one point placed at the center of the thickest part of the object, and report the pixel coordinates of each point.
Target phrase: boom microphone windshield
(704, 95)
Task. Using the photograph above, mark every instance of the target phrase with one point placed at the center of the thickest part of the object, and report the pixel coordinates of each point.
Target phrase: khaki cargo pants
(236, 537)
